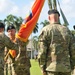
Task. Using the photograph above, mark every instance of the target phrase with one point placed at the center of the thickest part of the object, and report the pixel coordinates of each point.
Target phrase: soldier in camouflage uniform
(22, 64)
(57, 47)
(10, 54)
(5, 41)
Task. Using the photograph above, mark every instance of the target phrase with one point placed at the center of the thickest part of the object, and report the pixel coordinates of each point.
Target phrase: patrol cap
(53, 11)
(10, 27)
(2, 25)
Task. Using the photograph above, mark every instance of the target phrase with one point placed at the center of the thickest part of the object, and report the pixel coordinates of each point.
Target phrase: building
(30, 49)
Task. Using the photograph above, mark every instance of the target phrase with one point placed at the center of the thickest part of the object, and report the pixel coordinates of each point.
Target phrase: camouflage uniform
(5, 41)
(22, 63)
(59, 42)
(9, 65)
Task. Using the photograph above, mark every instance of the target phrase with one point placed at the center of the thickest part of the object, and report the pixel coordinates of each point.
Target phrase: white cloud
(44, 12)
(10, 7)
(25, 10)
(68, 7)
(5, 5)
(14, 10)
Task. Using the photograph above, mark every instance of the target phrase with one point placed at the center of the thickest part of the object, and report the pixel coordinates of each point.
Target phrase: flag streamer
(12, 53)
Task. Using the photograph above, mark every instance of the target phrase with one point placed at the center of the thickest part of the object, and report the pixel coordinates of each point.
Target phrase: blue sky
(21, 8)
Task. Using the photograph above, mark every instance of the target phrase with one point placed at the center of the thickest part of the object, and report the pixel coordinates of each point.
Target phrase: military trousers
(22, 66)
(58, 73)
(23, 71)
(1, 72)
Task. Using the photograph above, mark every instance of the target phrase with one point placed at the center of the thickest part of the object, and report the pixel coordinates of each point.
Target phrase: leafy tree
(35, 42)
(1, 21)
(16, 21)
(73, 32)
(46, 22)
(36, 28)
(52, 4)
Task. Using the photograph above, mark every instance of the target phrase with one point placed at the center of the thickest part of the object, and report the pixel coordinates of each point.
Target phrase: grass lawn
(35, 69)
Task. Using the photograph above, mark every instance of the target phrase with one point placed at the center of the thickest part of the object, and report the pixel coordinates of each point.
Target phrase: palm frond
(63, 16)
(50, 4)
(54, 4)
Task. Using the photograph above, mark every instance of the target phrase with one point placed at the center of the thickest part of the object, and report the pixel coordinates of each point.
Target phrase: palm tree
(36, 28)
(73, 32)
(16, 21)
(35, 42)
(46, 22)
(1, 20)
(52, 4)
(63, 16)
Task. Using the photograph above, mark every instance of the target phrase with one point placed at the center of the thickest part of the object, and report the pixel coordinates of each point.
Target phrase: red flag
(30, 22)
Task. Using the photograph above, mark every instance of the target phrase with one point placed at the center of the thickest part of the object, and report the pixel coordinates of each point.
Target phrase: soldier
(22, 62)
(5, 41)
(10, 54)
(19, 65)
(57, 47)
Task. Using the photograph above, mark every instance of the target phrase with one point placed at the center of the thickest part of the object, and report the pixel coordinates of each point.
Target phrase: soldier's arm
(42, 48)
(8, 43)
(72, 50)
